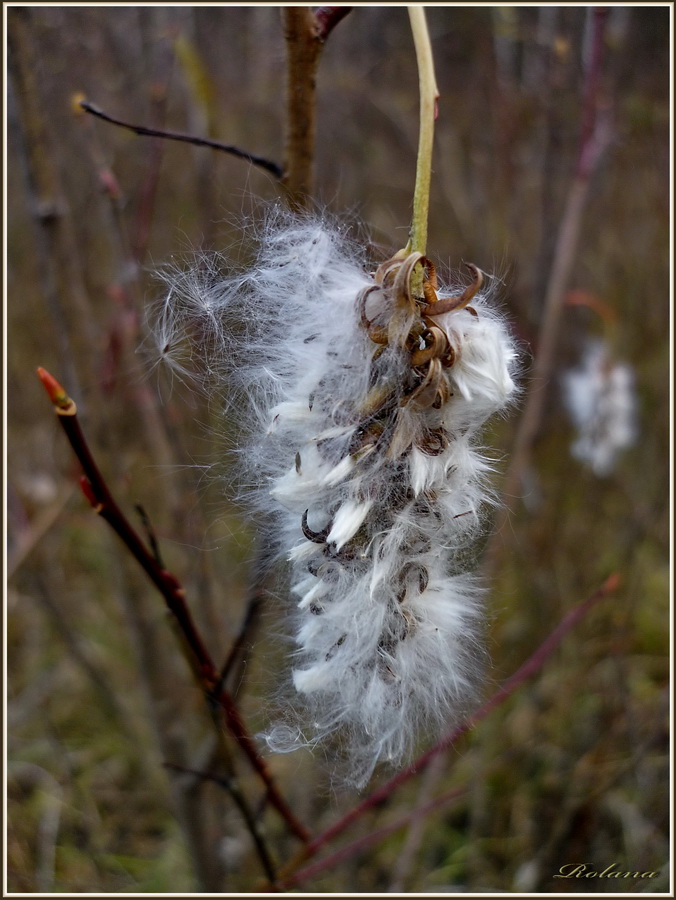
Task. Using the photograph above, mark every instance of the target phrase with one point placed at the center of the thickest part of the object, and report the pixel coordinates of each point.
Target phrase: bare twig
(162, 67)
(373, 837)
(150, 534)
(125, 332)
(25, 540)
(526, 671)
(230, 785)
(256, 595)
(417, 826)
(142, 130)
(96, 490)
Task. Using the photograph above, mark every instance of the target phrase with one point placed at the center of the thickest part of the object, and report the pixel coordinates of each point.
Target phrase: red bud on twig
(62, 402)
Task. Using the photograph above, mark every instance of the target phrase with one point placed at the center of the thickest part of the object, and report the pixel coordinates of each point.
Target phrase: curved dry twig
(143, 130)
(97, 493)
(230, 785)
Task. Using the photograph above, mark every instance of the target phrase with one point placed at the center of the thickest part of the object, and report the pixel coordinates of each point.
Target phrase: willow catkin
(600, 396)
(365, 404)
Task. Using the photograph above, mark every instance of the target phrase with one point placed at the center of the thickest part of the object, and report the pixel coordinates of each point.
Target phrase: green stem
(428, 107)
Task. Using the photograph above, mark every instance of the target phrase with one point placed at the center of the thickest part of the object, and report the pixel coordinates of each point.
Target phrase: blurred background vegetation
(574, 768)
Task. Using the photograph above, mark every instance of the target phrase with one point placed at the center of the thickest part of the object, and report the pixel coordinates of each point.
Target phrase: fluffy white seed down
(370, 469)
(601, 399)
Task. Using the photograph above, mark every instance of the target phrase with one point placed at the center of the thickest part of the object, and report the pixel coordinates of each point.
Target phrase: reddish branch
(373, 837)
(327, 17)
(259, 161)
(532, 665)
(593, 130)
(96, 491)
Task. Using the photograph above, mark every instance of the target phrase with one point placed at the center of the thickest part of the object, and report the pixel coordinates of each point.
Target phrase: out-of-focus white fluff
(601, 399)
(376, 501)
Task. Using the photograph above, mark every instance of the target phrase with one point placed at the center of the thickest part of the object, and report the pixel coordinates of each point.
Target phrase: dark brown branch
(305, 32)
(142, 130)
(151, 537)
(526, 671)
(303, 51)
(231, 787)
(238, 649)
(96, 490)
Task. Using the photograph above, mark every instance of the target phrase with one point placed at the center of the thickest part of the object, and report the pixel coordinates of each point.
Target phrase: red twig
(589, 144)
(96, 491)
(526, 671)
(372, 838)
(259, 161)
(327, 17)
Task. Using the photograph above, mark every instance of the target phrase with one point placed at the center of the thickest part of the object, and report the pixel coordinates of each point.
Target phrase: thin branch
(80, 653)
(142, 130)
(417, 828)
(96, 491)
(526, 671)
(26, 539)
(255, 599)
(151, 537)
(230, 785)
(164, 53)
(373, 837)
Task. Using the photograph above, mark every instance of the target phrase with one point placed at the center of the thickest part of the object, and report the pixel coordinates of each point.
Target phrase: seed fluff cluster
(600, 396)
(366, 395)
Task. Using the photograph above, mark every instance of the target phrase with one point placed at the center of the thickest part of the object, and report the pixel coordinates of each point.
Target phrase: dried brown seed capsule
(450, 304)
(433, 442)
(412, 574)
(433, 389)
(436, 345)
(377, 333)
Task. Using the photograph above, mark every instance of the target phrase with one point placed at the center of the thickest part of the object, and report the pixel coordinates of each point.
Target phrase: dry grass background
(574, 768)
